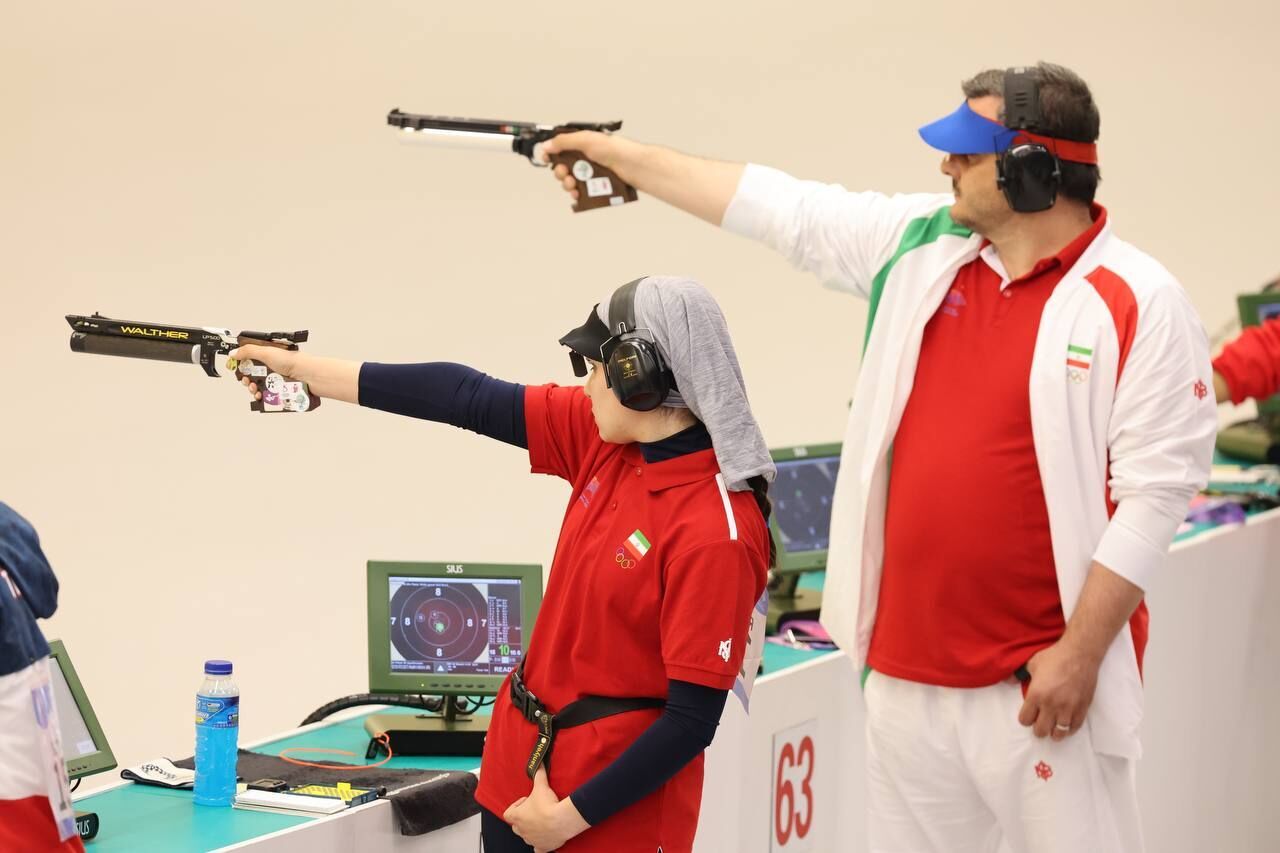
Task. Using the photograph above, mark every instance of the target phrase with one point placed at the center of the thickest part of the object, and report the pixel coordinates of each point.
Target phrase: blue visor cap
(966, 132)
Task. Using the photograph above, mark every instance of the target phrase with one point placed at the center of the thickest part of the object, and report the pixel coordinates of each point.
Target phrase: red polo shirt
(1251, 363)
(647, 584)
(969, 590)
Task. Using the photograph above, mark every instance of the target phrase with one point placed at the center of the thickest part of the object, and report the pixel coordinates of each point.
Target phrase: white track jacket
(1123, 442)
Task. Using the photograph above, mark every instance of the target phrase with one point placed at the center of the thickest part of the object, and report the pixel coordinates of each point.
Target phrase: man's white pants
(951, 770)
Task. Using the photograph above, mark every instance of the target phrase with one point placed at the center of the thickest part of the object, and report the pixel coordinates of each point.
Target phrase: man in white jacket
(1045, 389)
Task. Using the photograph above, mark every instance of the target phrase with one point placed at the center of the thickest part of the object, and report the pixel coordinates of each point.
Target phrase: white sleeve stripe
(728, 509)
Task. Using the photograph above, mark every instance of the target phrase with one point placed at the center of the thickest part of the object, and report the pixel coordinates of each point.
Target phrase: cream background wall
(227, 164)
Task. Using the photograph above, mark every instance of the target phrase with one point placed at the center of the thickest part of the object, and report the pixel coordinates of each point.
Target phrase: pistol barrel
(182, 353)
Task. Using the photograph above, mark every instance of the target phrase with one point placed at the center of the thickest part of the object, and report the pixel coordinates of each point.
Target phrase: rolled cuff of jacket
(751, 207)
(1136, 542)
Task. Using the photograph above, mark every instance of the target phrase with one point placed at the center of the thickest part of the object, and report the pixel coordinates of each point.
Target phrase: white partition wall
(1213, 703)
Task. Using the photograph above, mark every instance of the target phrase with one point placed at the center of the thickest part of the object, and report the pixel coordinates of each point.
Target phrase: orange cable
(380, 737)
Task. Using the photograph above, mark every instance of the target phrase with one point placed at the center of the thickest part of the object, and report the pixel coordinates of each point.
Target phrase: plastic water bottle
(217, 727)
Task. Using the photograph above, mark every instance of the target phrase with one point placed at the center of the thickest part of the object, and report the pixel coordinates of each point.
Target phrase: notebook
(306, 799)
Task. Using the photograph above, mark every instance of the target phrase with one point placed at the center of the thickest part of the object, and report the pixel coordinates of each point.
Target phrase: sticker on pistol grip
(272, 393)
(295, 397)
(252, 369)
(597, 187)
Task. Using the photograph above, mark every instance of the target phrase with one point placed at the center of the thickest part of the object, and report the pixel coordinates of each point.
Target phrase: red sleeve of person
(1251, 363)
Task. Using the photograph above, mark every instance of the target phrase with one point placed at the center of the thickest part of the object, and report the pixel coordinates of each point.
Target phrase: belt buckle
(526, 702)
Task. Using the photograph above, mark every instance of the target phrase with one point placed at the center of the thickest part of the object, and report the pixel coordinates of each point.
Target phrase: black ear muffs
(635, 373)
(1028, 173)
(633, 367)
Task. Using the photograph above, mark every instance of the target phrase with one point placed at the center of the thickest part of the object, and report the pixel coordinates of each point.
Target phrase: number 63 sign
(793, 794)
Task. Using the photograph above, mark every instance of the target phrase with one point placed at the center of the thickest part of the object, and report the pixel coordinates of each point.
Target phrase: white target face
(444, 622)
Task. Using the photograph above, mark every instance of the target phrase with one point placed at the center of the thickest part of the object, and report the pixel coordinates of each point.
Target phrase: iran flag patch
(636, 545)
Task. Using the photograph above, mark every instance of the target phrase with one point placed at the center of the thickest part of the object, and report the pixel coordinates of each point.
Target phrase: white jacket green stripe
(1148, 417)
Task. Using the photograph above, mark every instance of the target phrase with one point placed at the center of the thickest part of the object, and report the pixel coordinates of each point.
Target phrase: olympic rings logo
(1077, 376)
(623, 560)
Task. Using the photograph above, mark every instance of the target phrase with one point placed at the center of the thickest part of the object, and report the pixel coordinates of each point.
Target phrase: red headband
(1063, 149)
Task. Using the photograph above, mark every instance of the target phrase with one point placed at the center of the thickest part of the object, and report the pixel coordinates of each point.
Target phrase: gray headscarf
(693, 337)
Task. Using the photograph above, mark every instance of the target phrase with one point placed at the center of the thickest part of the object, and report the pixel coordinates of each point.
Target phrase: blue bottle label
(218, 712)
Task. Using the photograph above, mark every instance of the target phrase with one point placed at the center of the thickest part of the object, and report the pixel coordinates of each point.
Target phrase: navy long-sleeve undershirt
(447, 393)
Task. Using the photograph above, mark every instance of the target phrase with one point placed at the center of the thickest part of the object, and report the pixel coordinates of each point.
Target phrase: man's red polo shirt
(624, 613)
(969, 590)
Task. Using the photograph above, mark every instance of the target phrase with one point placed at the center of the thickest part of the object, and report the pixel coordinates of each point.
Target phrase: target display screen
(801, 497)
(460, 626)
(77, 740)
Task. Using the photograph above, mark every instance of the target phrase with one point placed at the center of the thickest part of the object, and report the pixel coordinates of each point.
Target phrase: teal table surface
(146, 819)
(812, 580)
(778, 657)
(143, 818)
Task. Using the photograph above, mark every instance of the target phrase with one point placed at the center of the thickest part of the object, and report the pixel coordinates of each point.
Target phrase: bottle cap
(217, 667)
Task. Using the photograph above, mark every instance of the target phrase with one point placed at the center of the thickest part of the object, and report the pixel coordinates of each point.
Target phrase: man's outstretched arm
(693, 184)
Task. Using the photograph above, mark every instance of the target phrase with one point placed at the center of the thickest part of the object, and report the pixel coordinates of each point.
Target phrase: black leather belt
(588, 709)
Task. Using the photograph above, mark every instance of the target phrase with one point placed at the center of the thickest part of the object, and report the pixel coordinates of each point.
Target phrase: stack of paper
(306, 799)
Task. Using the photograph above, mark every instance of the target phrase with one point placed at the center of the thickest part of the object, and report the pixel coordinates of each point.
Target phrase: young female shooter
(663, 553)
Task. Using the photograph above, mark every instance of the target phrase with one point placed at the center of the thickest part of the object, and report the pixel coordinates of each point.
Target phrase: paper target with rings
(443, 623)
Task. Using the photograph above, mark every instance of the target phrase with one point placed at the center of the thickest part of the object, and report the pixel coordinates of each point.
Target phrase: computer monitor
(450, 629)
(446, 629)
(800, 525)
(1255, 309)
(801, 495)
(84, 747)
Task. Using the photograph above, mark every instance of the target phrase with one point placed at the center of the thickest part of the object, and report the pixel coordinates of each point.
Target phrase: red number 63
(788, 818)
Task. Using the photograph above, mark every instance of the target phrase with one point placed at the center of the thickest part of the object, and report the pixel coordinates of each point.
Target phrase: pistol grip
(279, 393)
(597, 186)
